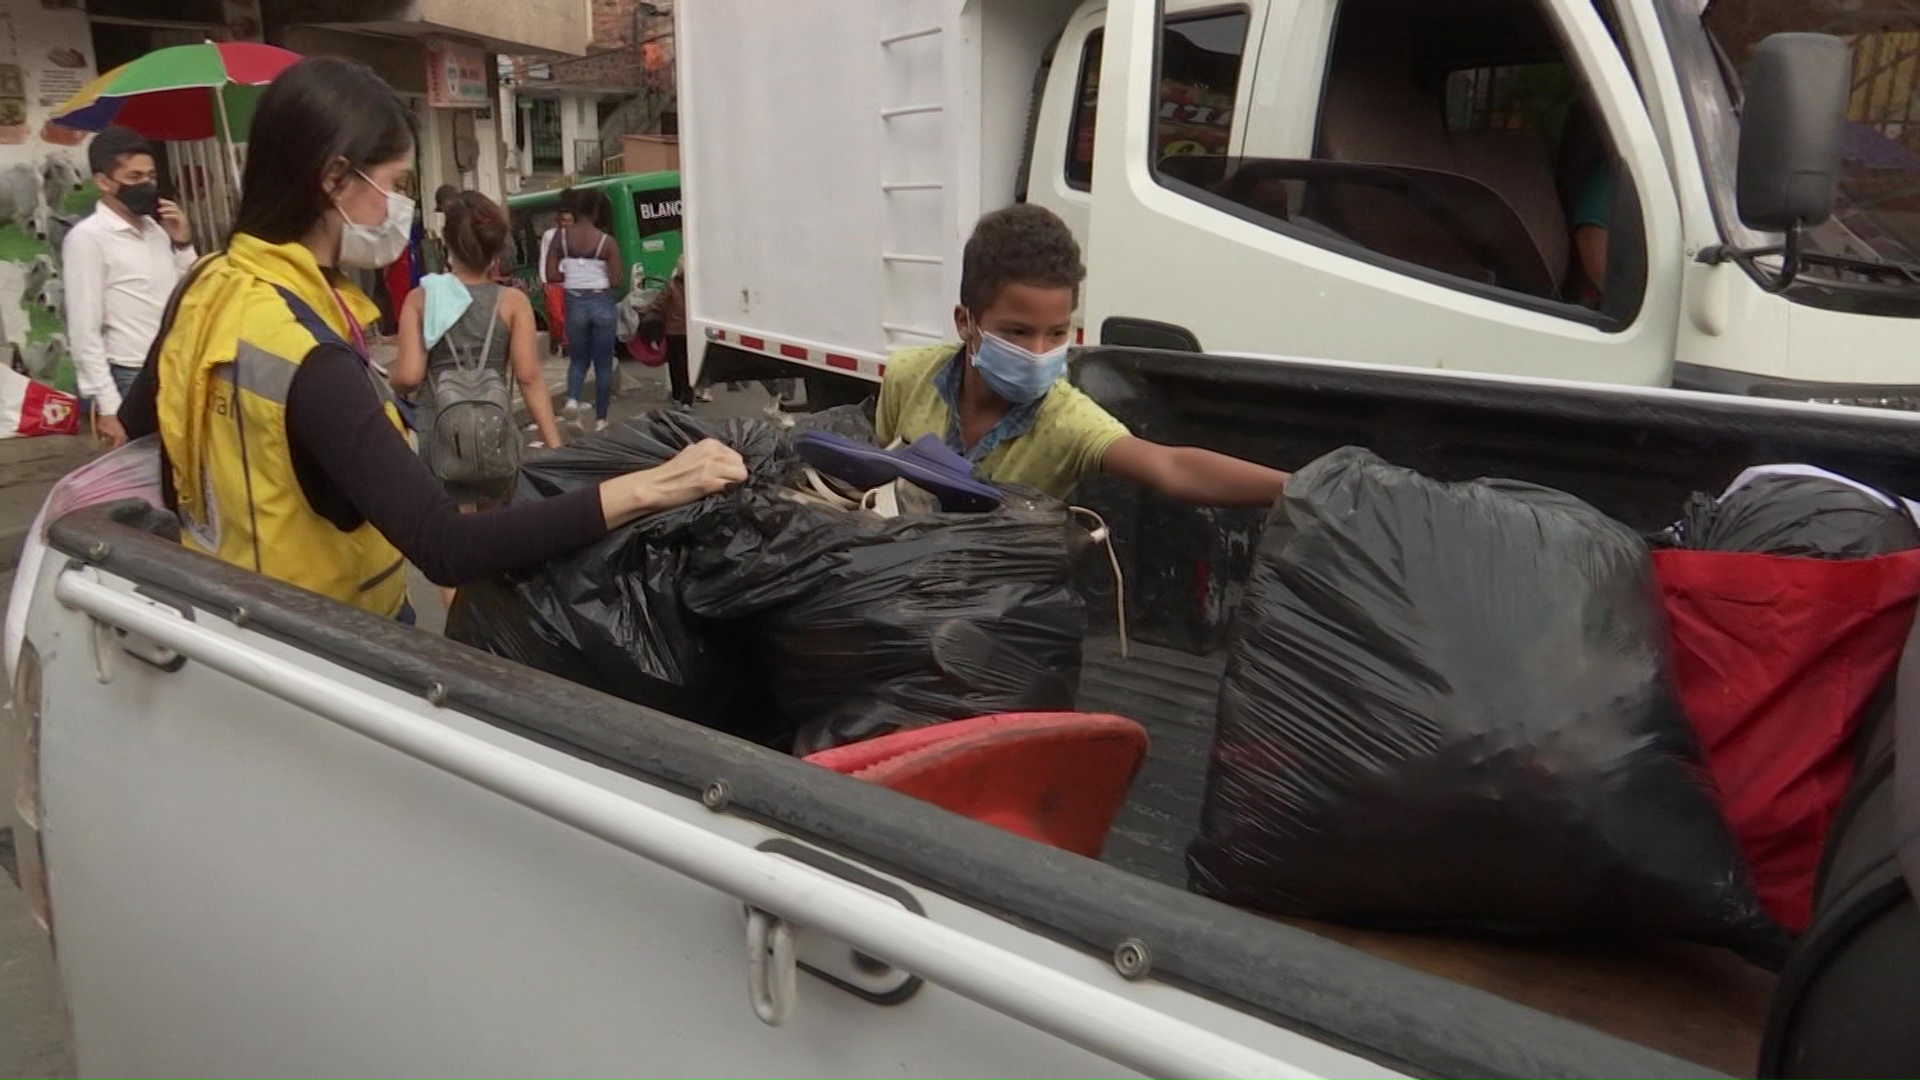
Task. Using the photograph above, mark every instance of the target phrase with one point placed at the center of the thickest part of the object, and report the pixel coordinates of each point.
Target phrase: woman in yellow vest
(285, 451)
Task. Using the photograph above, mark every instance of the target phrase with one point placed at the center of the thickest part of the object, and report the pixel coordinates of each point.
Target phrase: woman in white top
(587, 261)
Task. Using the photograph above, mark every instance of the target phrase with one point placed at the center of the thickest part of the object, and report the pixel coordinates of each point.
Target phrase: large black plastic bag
(1448, 705)
(610, 616)
(1796, 514)
(758, 615)
(868, 626)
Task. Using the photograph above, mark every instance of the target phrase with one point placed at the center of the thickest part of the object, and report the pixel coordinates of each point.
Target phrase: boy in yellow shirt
(999, 397)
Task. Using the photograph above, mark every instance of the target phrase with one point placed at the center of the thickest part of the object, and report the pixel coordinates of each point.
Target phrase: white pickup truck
(273, 835)
(1414, 183)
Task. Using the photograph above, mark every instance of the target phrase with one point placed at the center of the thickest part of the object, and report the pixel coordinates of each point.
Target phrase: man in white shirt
(119, 266)
(554, 293)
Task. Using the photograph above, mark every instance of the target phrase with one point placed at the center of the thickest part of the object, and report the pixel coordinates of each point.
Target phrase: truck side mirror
(1791, 127)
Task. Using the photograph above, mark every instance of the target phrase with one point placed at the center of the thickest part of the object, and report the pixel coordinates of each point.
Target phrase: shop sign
(456, 75)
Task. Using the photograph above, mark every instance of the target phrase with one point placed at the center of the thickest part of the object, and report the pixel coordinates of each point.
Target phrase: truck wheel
(827, 391)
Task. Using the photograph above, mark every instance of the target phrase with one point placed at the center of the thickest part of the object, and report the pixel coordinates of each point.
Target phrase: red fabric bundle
(1777, 658)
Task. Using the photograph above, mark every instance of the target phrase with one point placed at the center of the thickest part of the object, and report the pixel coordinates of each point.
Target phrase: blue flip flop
(927, 463)
(934, 452)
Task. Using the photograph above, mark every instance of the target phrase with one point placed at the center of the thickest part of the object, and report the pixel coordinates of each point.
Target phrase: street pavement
(33, 1026)
(34, 1036)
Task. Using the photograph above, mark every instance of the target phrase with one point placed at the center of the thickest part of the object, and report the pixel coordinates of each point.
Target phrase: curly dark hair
(1020, 245)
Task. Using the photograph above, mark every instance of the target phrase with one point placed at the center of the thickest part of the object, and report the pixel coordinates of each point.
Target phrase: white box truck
(1415, 183)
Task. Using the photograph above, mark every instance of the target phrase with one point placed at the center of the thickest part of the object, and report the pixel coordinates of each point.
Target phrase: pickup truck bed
(1635, 456)
(1700, 1004)
(326, 893)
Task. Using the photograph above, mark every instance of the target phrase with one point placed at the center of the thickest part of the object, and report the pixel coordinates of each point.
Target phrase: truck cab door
(1409, 184)
(1201, 120)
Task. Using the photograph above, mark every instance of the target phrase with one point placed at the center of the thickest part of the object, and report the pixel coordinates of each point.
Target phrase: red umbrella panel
(183, 93)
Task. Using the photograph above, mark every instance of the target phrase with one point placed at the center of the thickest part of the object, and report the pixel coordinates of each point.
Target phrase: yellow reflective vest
(247, 321)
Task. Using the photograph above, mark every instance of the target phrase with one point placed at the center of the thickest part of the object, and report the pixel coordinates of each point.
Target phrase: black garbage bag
(646, 441)
(1449, 706)
(758, 615)
(1795, 514)
(849, 421)
(869, 626)
(610, 616)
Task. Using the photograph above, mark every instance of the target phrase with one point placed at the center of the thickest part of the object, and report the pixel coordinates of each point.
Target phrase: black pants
(681, 385)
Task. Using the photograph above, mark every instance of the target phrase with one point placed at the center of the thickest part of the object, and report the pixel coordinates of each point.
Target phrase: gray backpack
(473, 439)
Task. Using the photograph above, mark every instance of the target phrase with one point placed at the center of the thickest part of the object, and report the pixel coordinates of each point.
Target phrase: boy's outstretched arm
(1193, 475)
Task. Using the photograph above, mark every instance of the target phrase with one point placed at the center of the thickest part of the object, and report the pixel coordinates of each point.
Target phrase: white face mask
(371, 247)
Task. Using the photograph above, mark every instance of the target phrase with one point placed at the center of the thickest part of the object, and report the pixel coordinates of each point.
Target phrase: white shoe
(599, 425)
(573, 407)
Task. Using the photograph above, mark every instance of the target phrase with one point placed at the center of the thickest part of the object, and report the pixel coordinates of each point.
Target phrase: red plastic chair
(1058, 778)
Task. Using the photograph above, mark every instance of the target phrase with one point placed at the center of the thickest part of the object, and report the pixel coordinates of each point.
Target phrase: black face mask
(140, 198)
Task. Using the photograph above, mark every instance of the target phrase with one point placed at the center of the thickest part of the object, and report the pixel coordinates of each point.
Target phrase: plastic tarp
(1449, 705)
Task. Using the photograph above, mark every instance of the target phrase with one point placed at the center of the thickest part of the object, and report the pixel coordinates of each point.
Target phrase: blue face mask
(1015, 374)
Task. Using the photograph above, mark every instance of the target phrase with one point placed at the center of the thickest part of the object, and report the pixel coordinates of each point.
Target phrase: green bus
(646, 225)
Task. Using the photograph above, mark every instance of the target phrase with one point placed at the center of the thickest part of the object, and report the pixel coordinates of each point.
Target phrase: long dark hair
(318, 111)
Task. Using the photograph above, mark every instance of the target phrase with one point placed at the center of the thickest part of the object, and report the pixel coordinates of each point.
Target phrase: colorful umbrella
(184, 92)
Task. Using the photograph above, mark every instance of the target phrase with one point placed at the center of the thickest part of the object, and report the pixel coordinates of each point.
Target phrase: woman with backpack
(462, 334)
(282, 450)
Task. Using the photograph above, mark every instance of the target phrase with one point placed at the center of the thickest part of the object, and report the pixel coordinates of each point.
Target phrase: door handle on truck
(772, 984)
(107, 639)
(821, 955)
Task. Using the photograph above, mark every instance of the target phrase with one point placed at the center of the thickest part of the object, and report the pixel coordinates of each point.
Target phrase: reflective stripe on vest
(258, 371)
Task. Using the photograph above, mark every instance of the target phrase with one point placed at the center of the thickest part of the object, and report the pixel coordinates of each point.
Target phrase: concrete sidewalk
(28, 468)
(34, 1041)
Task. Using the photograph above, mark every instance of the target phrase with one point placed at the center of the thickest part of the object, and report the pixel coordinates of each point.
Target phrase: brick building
(579, 116)
(52, 48)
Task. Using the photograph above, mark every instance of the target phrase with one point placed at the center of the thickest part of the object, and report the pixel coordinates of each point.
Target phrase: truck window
(1455, 141)
(1200, 73)
(1518, 97)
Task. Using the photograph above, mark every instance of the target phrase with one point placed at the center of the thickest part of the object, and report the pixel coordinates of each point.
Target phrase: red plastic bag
(650, 353)
(29, 408)
(1777, 659)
